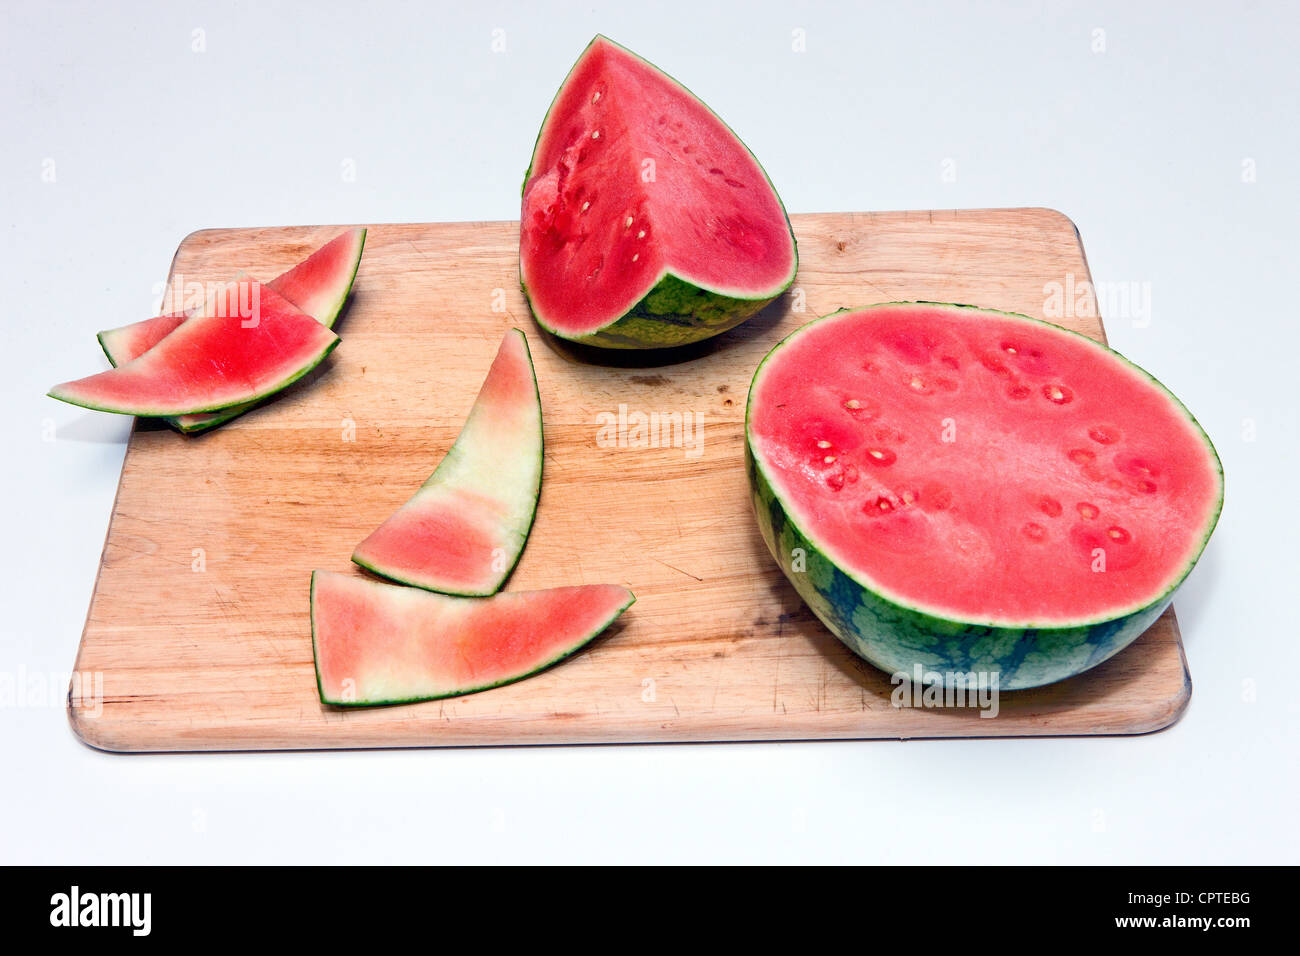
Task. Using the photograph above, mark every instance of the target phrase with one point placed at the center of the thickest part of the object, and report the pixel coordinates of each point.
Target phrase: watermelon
(463, 531)
(377, 643)
(319, 285)
(963, 490)
(646, 222)
(246, 343)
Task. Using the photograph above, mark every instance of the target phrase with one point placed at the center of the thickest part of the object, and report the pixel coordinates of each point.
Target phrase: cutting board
(198, 631)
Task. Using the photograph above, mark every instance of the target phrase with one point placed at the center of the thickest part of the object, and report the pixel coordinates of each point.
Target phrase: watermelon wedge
(646, 222)
(964, 490)
(463, 531)
(377, 643)
(246, 343)
(319, 285)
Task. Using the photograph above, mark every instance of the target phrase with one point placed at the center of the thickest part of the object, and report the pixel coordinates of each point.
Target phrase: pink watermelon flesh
(319, 285)
(377, 643)
(599, 232)
(463, 531)
(970, 463)
(247, 342)
(123, 344)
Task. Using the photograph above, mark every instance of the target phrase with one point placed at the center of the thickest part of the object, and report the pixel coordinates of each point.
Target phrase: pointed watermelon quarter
(463, 531)
(377, 643)
(646, 221)
(319, 285)
(246, 343)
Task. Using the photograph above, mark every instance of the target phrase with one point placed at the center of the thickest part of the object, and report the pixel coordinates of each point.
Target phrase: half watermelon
(246, 343)
(377, 643)
(463, 531)
(319, 285)
(646, 222)
(973, 491)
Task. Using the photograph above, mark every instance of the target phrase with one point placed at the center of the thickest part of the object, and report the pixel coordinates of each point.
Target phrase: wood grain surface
(199, 627)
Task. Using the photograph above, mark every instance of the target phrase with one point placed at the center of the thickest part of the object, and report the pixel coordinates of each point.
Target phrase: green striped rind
(676, 311)
(896, 638)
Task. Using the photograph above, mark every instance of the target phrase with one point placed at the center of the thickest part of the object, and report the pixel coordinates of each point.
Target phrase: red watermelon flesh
(973, 464)
(601, 227)
(246, 343)
(319, 285)
(463, 531)
(131, 341)
(377, 643)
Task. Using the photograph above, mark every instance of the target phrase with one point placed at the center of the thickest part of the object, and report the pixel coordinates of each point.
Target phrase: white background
(1143, 144)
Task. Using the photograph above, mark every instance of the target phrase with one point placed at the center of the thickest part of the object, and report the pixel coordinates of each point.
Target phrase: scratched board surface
(199, 621)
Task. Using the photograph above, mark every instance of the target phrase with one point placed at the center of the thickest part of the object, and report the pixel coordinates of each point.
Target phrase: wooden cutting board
(198, 630)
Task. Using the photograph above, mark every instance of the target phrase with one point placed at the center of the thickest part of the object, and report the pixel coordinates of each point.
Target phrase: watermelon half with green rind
(646, 221)
(376, 643)
(464, 530)
(970, 491)
(247, 342)
(319, 286)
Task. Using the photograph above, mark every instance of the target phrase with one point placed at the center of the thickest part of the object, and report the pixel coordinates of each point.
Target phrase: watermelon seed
(628, 223)
(595, 96)
(835, 481)
(1103, 434)
(641, 234)
(1081, 456)
(909, 497)
(586, 206)
(829, 459)
(1009, 348)
(917, 384)
(881, 505)
(823, 444)
(1058, 394)
(1087, 510)
(1034, 531)
(1118, 534)
(1050, 507)
(881, 456)
(595, 134)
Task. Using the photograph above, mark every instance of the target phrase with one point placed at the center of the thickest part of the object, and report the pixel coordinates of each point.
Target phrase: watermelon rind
(675, 311)
(201, 422)
(432, 484)
(895, 635)
(568, 650)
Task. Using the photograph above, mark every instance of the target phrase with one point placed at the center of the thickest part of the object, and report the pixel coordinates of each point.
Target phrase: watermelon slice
(319, 285)
(246, 343)
(646, 222)
(463, 531)
(966, 490)
(377, 643)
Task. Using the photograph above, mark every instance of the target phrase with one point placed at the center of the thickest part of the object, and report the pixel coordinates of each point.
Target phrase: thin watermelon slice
(463, 531)
(319, 285)
(966, 490)
(377, 643)
(646, 221)
(246, 343)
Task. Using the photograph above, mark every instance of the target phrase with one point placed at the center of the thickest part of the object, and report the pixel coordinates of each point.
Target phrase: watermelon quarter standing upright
(646, 222)
(974, 491)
